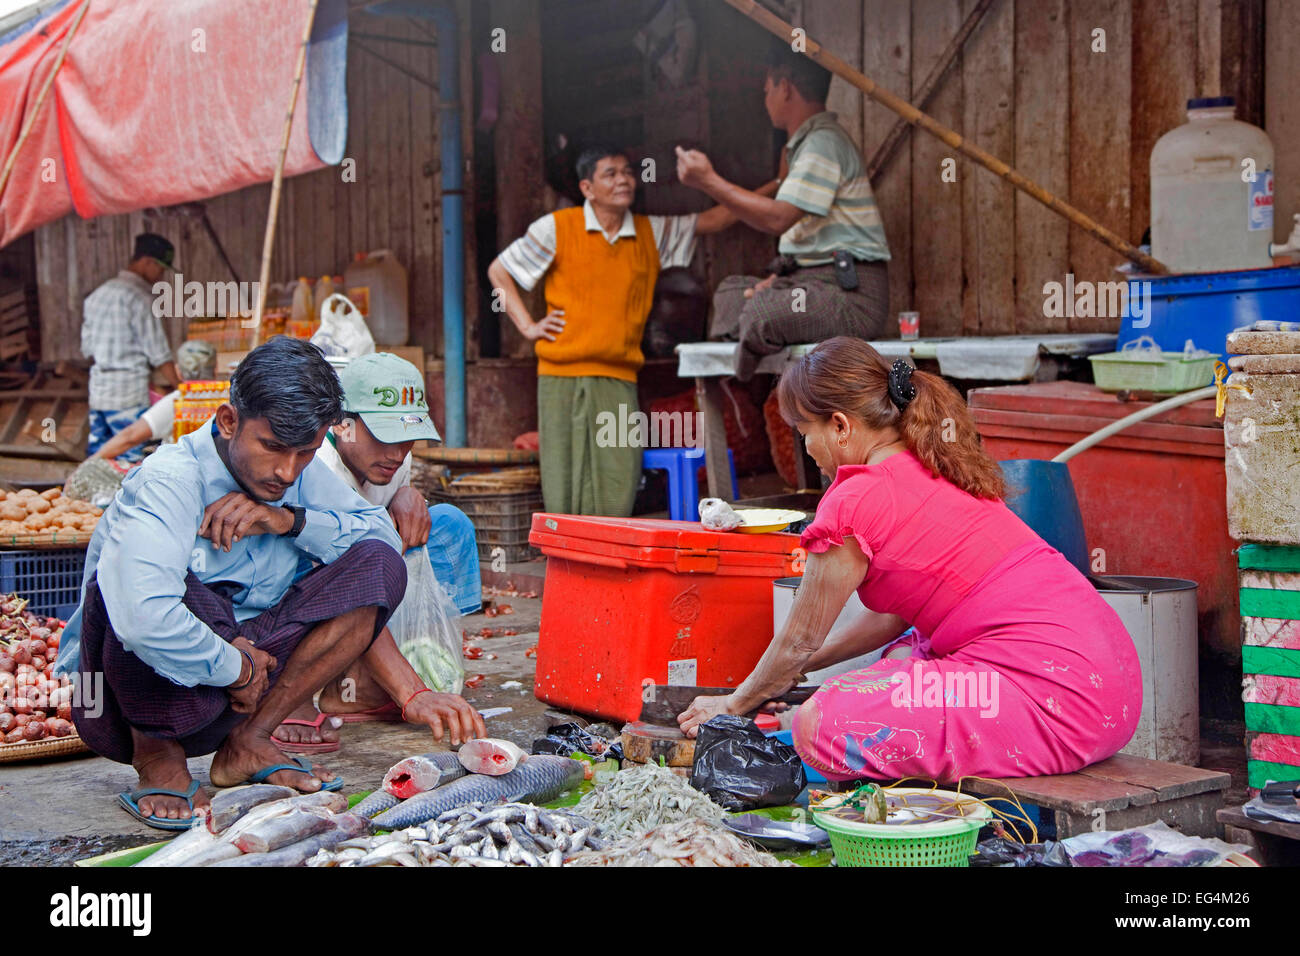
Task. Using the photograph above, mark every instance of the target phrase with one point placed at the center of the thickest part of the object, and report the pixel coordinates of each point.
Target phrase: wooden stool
(1119, 793)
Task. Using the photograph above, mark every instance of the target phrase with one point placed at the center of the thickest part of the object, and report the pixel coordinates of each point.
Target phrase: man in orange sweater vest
(600, 263)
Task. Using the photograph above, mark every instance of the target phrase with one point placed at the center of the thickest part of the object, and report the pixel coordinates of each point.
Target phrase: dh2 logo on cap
(409, 395)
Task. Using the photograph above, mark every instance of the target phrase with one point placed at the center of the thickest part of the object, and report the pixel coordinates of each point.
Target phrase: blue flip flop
(299, 765)
(131, 804)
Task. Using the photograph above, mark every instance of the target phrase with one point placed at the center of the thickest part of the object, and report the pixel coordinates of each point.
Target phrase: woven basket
(52, 539)
(46, 749)
(477, 456)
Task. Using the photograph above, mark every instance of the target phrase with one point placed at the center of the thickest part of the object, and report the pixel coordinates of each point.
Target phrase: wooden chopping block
(646, 743)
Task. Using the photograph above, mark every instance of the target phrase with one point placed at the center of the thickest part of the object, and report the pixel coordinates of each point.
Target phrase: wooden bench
(1119, 793)
(1271, 842)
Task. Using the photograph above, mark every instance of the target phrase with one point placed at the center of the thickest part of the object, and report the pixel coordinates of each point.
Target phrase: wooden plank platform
(1272, 842)
(1121, 792)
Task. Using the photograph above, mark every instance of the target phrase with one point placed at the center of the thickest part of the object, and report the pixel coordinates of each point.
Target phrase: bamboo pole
(40, 100)
(778, 27)
(272, 214)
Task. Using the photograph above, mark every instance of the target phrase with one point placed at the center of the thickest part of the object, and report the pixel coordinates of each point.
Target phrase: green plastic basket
(944, 843)
(1148, 369)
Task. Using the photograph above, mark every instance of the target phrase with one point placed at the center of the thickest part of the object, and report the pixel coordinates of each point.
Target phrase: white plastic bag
(343, 331)
(426, 627)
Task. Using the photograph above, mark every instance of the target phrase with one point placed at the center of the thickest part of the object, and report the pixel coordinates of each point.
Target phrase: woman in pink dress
(1016, 667)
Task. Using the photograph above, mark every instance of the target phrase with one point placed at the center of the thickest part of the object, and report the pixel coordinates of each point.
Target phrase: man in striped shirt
(823, 208)
(124, 338)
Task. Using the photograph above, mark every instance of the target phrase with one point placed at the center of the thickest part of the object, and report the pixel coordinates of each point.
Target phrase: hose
(1186, 398)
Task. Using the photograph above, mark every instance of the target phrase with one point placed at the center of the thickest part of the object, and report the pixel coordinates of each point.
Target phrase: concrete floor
(64, 810)
(61, 811)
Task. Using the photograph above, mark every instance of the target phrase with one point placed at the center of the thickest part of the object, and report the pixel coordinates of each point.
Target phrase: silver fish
(271, 834)
(254, 816)
(540, 779)
(344, 827)
(330, 800)
(422, 773)
(229, 805)
(183, 848)
(376, 803)
(221, 850)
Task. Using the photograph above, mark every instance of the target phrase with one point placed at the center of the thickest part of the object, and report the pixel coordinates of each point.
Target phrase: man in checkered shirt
(124, 338)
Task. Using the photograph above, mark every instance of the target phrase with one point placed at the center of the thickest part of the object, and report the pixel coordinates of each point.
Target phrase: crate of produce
(35, 706)
(1270, 660)
(501, 519)
(1142, 366)
(50, 579)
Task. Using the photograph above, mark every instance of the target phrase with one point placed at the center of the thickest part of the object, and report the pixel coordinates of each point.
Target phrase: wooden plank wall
(972, 256)
(1282, 107)
(324, 221)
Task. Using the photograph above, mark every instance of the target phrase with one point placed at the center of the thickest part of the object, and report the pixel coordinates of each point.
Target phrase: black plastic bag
(999, 851)
(565, 739)
(741, 769)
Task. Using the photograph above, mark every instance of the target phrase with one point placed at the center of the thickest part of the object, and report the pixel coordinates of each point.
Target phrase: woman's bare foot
(161, 763)
(302, 734)
(247, 751)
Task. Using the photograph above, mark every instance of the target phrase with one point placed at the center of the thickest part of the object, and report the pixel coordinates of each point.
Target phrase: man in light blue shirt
(191, 620)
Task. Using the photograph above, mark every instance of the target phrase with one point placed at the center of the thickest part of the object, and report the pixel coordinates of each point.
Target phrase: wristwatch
(299, 519)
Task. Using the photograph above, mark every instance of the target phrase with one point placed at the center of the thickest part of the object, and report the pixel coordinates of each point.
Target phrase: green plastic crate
(1150, 370)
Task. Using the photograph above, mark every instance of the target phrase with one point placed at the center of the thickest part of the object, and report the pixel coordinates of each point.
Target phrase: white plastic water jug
(1212, 192)
(385, 279)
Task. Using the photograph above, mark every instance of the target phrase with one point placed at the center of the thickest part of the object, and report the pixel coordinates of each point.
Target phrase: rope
(1221, 396)
(40, 100)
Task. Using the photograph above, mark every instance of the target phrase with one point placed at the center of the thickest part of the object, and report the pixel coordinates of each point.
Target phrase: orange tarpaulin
(158, 104)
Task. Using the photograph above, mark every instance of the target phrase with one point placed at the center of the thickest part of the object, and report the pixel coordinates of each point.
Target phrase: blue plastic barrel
(1206, 306)
(1042, 496)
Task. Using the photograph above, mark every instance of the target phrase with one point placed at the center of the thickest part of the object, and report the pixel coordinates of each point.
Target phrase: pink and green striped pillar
(1270, 660)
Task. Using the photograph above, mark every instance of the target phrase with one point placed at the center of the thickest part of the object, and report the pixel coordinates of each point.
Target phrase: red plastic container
(633, 600)
(1151, 496)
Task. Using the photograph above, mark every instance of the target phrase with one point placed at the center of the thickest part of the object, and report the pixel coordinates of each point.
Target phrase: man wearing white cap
(385, 413)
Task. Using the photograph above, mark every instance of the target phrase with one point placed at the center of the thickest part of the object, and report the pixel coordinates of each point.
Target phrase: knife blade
(667, 701)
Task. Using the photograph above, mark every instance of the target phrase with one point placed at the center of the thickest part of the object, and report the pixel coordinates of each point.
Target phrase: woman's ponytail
(847, 375)
(938, 428)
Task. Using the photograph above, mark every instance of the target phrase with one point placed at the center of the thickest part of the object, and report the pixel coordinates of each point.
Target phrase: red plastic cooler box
(631, 599)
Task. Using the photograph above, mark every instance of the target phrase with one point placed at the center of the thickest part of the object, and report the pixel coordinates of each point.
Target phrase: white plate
(762, 520)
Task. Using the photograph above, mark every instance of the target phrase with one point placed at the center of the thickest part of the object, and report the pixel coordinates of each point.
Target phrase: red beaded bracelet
(422, 690)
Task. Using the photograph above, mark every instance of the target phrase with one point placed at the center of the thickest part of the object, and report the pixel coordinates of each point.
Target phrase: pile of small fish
(262, 825)
(684, 843)
(477, 834)
(645, 797)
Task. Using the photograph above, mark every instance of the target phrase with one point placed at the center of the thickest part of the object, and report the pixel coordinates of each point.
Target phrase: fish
(541, 779)
(181, 849)
(377, 802)
(278, 831)
(220, 850)
(229, 805)
(330, 800)
(491, 756)
(334, 802)
(343, 826)
(426, 772)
